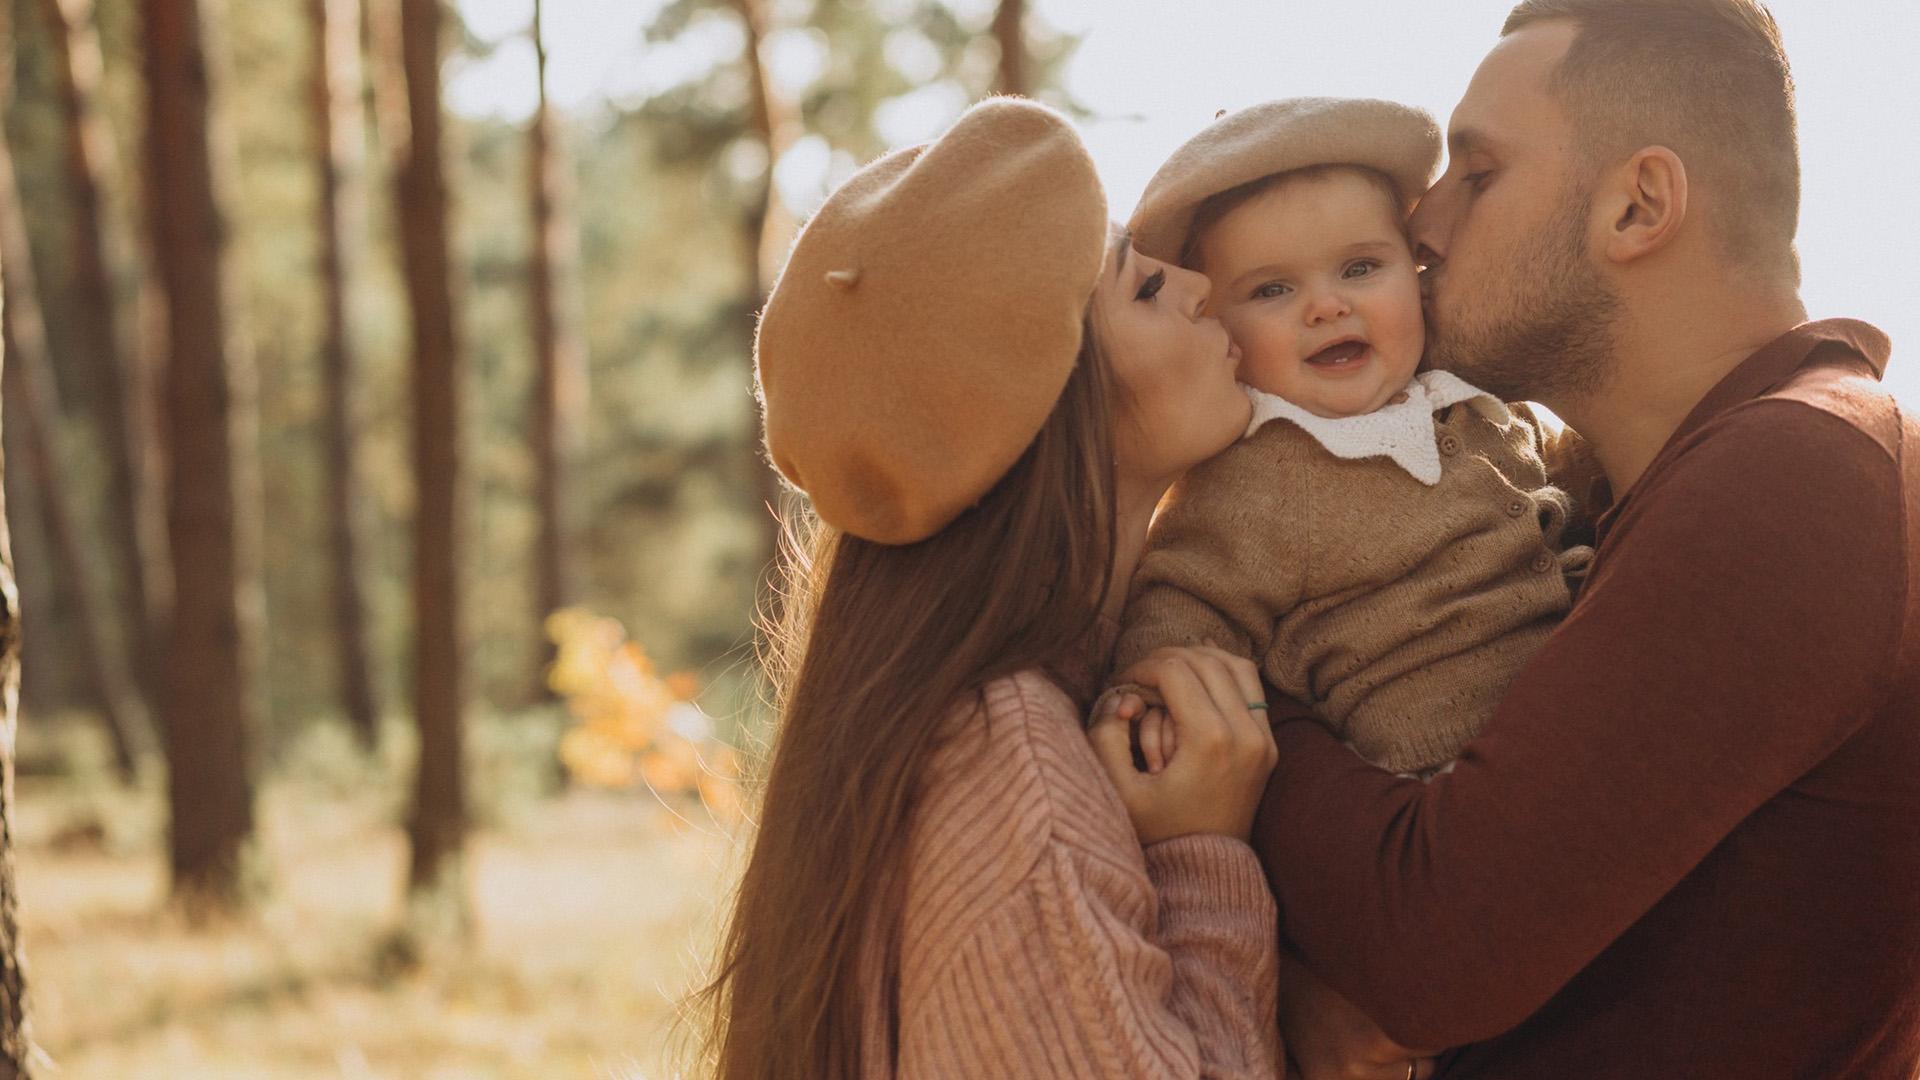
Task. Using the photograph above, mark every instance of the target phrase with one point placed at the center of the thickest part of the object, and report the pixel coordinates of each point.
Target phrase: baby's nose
(1328, 304)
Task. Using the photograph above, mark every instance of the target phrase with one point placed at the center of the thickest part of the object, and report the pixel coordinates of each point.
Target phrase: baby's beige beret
(1280, 136)
(927, 320)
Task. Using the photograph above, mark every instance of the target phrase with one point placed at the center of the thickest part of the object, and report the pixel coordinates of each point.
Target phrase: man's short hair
(1706, 78)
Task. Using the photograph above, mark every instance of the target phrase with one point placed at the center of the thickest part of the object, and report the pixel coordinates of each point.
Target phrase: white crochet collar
(1403, 432)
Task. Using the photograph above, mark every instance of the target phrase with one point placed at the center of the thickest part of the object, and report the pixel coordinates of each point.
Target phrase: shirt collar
(1775, 363)
(1403, 432)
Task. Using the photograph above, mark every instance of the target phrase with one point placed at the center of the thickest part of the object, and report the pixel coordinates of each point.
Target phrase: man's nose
(1425, 230)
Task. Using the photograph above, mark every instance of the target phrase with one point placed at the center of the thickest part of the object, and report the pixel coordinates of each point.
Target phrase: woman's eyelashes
(1151, 287)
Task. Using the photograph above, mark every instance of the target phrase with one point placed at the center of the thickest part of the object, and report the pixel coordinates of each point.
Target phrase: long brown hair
(878, 647)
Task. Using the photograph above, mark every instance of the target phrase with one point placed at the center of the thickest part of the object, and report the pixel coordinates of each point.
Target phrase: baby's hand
(1155, 739)
(1150, 731)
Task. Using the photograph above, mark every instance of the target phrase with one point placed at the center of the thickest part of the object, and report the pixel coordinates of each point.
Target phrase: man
(1688, 843)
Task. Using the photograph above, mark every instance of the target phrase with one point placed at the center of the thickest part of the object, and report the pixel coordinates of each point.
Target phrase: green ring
(1259, 705)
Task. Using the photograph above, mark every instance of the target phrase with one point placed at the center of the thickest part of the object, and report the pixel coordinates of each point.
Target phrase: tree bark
(776, 121)
(768, 228)
(337, 139)
(1009, 29)
(559, 382)
(30, 386)
(133, 516)
(438, 827)
(16, 1036)
(204, 698)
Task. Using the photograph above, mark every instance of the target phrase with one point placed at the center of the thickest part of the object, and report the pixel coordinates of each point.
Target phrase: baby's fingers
(1112, 741)
(1156, 739)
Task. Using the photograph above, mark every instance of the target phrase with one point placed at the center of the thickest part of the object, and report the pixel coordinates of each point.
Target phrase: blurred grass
(594, 911)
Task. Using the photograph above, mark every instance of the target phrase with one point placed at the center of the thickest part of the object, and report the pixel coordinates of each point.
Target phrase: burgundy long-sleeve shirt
(1687, 845)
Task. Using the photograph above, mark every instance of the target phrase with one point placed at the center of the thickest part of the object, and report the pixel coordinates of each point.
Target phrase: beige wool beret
(928, 318)
(1280, 136)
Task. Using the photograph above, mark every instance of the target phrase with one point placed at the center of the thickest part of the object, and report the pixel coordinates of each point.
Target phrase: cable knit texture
(1397, 610)
(1039, 940)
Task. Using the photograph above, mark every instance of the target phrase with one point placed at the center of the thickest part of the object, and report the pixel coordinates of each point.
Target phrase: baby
(1385, 544)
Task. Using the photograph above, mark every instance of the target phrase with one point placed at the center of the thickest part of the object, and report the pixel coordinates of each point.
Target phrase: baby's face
(1315, 281)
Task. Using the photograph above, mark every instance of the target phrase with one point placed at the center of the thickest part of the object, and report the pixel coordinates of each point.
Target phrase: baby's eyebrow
(1258, 271)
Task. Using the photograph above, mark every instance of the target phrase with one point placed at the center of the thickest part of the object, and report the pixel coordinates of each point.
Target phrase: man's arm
(1740, 627)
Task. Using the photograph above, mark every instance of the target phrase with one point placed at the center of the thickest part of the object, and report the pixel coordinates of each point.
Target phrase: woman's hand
(1327, 1037)
(1226, 750)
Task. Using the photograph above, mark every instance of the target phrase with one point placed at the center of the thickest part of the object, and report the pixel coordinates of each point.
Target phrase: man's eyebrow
(1465, 141)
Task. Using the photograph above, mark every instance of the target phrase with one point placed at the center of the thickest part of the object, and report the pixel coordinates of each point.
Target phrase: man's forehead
(1511, 83)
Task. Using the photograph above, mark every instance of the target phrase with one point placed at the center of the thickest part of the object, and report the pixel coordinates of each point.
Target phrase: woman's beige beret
(1280, 136)
(927, 320)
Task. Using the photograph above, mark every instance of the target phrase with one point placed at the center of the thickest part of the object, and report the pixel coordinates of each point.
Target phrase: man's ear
(1646, 202)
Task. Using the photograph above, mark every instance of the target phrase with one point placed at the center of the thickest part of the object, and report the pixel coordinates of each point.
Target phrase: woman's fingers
(1190, 707)
(1244, 673)
(1234, 685)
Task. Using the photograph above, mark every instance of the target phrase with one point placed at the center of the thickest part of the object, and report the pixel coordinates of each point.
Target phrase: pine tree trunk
(559, 383)
(387, 81)
(30, 383)
(438, 827)
(204, 697)
(768, 231)
(335, 97)
(16, 1037)
(133, 515)
(30, 386)
(1009, 29)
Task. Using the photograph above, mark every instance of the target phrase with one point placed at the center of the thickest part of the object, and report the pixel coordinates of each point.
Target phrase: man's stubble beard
(1547, 335)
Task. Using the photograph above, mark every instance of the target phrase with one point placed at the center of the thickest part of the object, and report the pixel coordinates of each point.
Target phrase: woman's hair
(877, 648)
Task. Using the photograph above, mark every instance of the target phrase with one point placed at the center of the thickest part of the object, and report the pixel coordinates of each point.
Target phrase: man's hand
(1327, 1038)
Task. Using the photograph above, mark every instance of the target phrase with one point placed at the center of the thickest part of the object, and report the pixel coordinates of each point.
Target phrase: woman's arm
(1083, 973)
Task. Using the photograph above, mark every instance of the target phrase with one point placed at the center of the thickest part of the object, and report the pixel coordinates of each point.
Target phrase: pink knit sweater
(1039, 940)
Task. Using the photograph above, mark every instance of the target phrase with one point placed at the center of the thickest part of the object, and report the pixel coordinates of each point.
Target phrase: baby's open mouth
(1344, 352)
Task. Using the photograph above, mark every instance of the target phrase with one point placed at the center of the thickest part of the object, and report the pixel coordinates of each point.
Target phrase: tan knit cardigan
(1398, 612)
(1039, 940)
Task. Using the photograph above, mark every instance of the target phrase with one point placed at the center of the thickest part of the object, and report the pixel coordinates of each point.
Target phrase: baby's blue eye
(1271, 290)
(1363, 268)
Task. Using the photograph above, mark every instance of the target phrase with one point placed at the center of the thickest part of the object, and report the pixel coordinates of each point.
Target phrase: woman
(984, 396)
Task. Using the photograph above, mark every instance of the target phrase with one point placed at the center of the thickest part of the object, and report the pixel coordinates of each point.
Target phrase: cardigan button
(1449, 445)
(1544, 562)
(1516, 508)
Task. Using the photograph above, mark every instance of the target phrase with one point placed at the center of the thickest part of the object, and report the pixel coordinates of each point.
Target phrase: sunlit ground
(594, 911)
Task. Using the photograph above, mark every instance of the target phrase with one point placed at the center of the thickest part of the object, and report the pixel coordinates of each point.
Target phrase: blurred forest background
(388, 519)
(383, 484)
